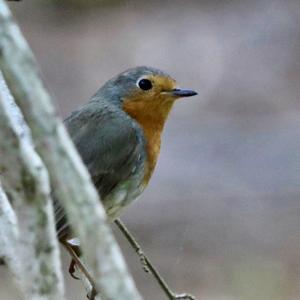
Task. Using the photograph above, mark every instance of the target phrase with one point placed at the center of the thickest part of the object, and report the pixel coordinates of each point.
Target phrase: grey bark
(28, 238)
(9, 236)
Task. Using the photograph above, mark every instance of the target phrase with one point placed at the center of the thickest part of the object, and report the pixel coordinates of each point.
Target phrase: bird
(118, 135)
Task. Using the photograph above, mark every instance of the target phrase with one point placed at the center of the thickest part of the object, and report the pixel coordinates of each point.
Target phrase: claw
(72, 269)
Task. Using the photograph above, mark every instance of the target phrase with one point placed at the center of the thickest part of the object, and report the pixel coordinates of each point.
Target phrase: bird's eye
(145, 84)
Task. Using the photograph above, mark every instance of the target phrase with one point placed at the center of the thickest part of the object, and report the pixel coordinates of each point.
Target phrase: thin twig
(149, 266)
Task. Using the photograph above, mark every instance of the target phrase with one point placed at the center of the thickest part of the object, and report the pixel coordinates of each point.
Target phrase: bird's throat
(151, 116)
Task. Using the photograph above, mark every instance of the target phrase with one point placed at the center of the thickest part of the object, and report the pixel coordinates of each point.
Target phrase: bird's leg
(74, 244)
(74, 251)
(148, 266)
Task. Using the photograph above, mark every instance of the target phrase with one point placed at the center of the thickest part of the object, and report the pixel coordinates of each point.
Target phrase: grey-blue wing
(110, 145)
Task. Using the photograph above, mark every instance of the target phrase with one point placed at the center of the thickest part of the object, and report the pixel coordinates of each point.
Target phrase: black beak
(183, 93)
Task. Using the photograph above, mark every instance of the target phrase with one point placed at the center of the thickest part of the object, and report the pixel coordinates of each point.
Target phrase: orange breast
(151, 115)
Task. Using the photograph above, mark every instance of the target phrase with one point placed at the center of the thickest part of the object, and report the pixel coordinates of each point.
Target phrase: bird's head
(144, 90)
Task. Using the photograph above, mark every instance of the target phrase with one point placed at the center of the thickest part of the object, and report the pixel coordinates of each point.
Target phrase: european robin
(118, 135)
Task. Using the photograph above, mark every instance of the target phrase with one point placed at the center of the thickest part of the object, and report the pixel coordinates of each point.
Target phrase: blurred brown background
(220, 218)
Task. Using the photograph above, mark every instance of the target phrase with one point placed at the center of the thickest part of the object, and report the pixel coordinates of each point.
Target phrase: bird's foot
(72, 269)
(76, 262)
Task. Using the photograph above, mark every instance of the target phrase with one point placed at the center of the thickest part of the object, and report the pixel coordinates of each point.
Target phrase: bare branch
(68, 175)
(25, 179)
(9, 236)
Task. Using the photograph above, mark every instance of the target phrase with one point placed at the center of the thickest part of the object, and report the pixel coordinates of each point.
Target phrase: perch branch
(34, 248)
